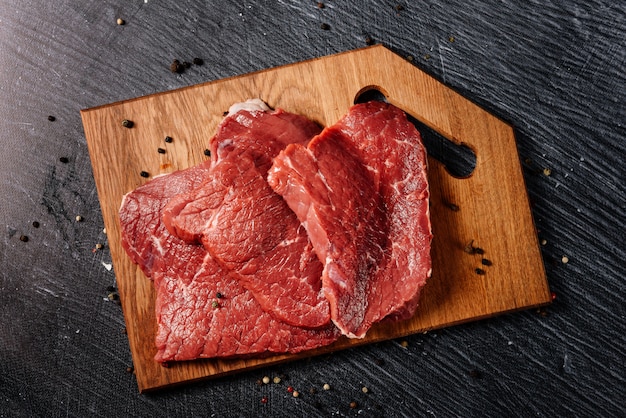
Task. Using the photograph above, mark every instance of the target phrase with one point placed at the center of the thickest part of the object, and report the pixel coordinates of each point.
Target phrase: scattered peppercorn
(312, 391)
(547, 171)
(168, 139)
(486, 262)
(380, 362)
(64, 160)
(399, 7)
(264, 400)
(186, 64)
(35, 224)
(544, 242)
(451, 39)
(127, 123)
(112, 296)
(475, 374)
(176, 67)
(215, 304)
(353, 405)
(110, 288)
(219, 295)
(51, 118)
(266, 379)
(198, 61)
(369, 40)
(325, 26)
(320, 5)
(99, 246)
(552, 295)
(404, 343)
(79, 218)
(479, 271)
(364, 389)
(144, 174)
(130, 369)
(326, 386)
(120, 21)
(207, 152)
(161, 150)
(289, 389)
(426, 56)
(23, 238)
(277, 380)
(453, 207)
(564, 260)
(295, 393)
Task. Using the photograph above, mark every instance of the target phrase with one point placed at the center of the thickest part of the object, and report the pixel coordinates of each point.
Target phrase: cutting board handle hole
(370, 93)
(459, 160)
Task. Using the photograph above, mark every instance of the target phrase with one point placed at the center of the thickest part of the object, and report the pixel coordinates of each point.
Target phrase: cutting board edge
(331, 349)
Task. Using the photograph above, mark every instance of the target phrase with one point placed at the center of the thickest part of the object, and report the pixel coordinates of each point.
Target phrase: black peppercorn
(176, 67)
(64, 160)
(198, 61)
(144, 174)
(207, 152)
(161, 150)
(369, 40)
(51, 118)
(35, 224)
(479, 271)
(486, 262)
(168, 139)
(325, 26)
(127, 123)
(23, 238)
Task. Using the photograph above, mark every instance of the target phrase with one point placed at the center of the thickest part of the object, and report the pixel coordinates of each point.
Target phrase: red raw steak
(201, 310)
(246, 226)
(360, 190)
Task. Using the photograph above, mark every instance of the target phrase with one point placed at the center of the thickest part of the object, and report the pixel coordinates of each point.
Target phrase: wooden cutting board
(489, 208)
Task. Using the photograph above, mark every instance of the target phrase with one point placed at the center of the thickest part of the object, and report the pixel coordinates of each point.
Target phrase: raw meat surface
(193, 322)
(360, 190)
(246, 226)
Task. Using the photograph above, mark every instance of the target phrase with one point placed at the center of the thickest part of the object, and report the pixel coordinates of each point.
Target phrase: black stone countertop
(555, 70)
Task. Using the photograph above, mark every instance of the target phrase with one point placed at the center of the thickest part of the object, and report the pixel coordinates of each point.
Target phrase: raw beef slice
(361, 192)
(201, 310)
(246, 226)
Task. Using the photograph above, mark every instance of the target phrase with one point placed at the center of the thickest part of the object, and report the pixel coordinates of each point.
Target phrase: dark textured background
(553, 69)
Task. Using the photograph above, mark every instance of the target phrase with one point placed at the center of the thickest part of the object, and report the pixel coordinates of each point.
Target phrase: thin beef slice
(201, 311)
(360, 190)
(246, 226)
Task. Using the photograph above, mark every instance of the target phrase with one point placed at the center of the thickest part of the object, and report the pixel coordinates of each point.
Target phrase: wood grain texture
(477, 209)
